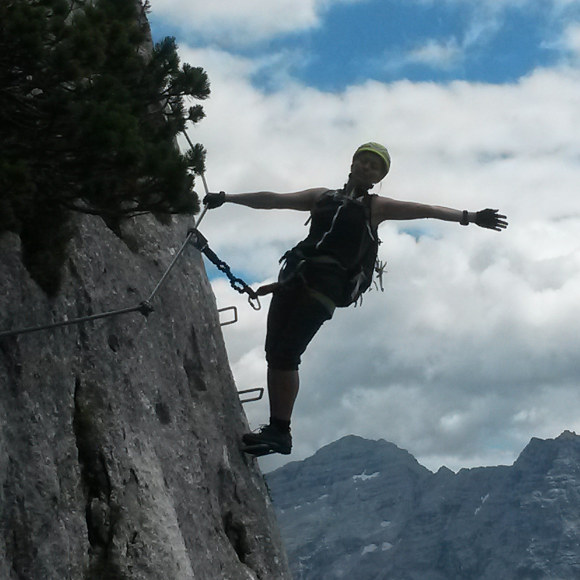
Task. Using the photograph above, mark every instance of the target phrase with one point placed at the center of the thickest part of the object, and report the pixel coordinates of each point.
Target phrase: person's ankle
(280, 424)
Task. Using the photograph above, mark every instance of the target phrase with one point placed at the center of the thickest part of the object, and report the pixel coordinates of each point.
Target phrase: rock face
(119, 437)
(367, 510)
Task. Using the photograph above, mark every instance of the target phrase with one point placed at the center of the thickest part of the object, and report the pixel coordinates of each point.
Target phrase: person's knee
(282, 361)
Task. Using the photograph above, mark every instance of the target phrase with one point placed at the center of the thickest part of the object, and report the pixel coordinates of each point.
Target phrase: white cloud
(235, 22)
(563, 5)
(436, 54)
(486, 19)
(482, 27)
(473, 347)
(571, 41)
(494, 5)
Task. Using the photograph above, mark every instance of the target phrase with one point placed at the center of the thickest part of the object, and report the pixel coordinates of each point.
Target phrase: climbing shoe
(268, 439)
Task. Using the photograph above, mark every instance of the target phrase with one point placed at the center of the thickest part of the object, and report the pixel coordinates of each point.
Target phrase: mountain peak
(568, 436)
(540, 454)
(353, 454)
(366, 509)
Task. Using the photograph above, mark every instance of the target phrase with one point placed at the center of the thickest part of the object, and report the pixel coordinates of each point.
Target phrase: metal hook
(256, 299)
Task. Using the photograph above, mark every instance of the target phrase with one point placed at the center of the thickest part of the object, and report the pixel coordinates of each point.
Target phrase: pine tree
(88, 122)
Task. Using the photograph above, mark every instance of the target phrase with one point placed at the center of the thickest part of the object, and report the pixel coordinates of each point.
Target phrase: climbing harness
(145, 307)
(332, 234)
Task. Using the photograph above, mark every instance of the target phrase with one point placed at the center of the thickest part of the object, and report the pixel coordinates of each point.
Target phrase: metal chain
(201, 243)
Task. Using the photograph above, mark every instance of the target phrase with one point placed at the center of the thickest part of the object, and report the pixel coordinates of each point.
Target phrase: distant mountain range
(367, 510)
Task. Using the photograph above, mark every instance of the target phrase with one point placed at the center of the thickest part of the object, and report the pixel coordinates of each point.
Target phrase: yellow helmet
(379, 150)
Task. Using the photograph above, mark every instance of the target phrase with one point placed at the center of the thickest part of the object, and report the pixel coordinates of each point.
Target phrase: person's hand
(491, 219)
(213, 200)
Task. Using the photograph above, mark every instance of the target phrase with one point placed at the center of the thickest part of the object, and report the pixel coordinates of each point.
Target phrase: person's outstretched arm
(298, 200)
(391, 209)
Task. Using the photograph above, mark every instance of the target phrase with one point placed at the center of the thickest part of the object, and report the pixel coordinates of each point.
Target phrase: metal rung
(234, 308)
(260, 390)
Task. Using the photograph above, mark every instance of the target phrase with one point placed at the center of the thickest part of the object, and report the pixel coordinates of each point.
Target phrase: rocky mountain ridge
(367, 510)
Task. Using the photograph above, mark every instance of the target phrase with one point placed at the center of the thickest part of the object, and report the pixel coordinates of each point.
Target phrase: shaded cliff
(119, 437)
(367, 510)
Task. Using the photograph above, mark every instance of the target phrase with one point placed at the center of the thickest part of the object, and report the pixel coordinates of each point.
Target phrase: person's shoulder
(385, 202)
(311, 191)
(318, 193)
(320, 190)
(304, 200)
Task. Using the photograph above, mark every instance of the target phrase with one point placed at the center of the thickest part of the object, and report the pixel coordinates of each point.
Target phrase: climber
(331, 267)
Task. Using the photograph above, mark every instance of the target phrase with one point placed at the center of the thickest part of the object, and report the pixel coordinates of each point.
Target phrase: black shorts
(295, 316)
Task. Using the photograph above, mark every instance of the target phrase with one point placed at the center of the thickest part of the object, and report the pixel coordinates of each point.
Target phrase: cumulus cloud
(233, 23)
(472, 349)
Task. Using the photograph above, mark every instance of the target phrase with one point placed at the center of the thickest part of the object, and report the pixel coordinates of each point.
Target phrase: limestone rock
(119, 437)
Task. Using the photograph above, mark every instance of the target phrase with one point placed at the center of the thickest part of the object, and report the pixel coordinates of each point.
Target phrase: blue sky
(393, 40)
(473, 347)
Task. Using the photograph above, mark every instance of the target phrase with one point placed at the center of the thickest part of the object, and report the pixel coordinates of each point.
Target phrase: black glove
(489, 218)
(213, 200)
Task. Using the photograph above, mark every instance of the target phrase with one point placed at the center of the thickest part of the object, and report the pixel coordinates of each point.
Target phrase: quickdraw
(201, 243)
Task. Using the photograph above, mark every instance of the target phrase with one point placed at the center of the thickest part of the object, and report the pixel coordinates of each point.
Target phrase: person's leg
(275, 437)
(294, 318)
(282, 391)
